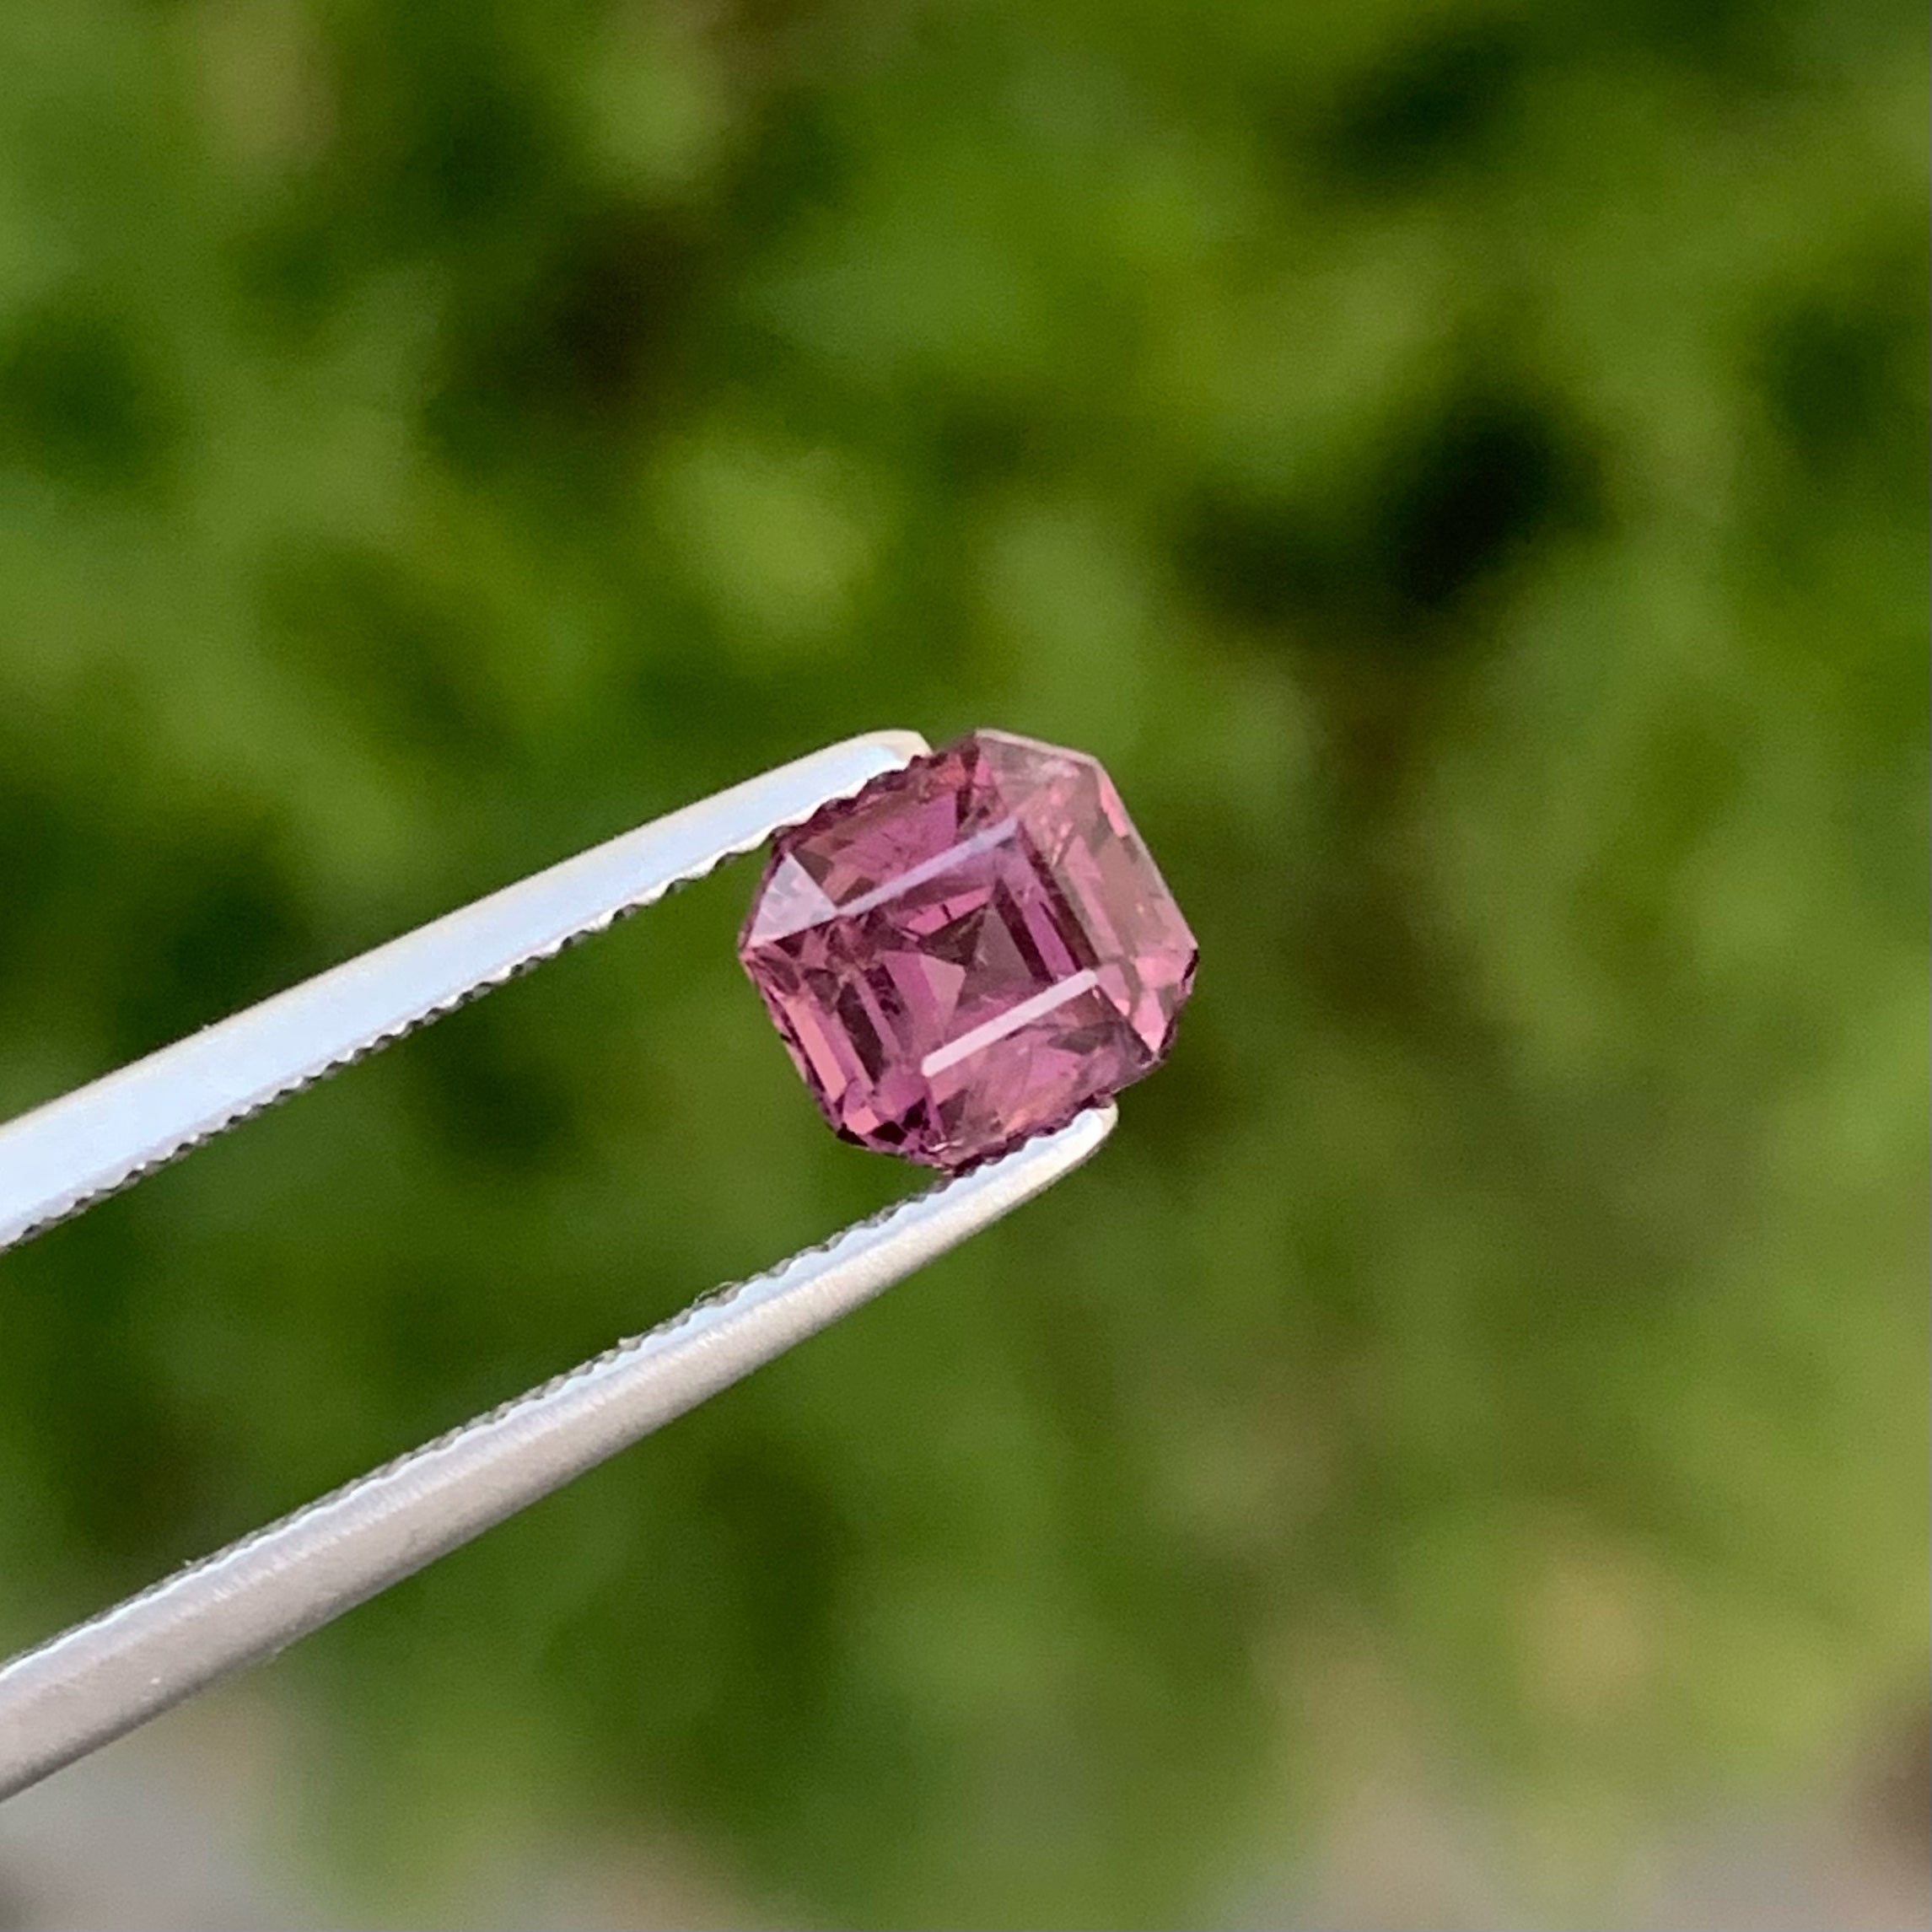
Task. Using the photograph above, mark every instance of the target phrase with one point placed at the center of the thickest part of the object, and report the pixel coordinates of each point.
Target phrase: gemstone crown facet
(969, 951)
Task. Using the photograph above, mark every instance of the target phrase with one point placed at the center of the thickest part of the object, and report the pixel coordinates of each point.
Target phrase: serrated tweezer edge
(67, 1154)
(101, 1678)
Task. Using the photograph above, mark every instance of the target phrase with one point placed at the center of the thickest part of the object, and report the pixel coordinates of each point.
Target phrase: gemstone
(969, 951)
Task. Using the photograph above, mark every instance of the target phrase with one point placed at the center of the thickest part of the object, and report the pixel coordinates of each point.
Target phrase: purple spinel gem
(969, 951)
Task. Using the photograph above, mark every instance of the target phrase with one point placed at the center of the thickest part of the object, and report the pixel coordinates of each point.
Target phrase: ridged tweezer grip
(64, 1155)
(104, 1676)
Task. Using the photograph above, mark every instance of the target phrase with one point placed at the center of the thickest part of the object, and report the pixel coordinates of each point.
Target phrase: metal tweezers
(101, 1678)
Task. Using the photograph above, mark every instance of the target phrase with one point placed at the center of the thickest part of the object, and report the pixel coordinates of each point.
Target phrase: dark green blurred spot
(1439, 101)
(450, 133)
(491, 1097)
(290, 270)
(798, 158)
(1759, 42)
(220, 923)
(1475, 490)
(125, 1477)
(589, 330)
(81, 400)
(1844, 371)
(40, 845)
(392, 650)
(1463, 493)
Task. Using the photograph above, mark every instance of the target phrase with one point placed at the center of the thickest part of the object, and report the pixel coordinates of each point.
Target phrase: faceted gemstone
(969, 951)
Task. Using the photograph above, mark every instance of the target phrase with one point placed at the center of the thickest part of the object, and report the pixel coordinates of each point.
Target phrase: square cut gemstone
(969, 951)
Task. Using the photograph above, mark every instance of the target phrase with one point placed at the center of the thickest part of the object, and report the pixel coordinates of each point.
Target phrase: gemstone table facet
(969, 951)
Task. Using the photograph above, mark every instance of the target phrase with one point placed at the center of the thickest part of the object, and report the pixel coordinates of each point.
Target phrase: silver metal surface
(104, 1676)
(64, 1155)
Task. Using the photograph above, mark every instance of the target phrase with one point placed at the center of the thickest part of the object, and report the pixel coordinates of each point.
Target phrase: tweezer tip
(905, 745)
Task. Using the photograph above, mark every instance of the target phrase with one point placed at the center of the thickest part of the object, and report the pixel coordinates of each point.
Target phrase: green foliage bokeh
(1461, 465)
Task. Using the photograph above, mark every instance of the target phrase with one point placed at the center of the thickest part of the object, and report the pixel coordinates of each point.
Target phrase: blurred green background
(1460, 464)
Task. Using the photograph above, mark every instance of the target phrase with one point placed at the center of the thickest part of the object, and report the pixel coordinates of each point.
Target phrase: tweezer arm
(102, 1677)
(72, 1151)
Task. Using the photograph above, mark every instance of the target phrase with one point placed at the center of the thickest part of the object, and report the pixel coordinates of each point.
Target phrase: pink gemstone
(969, 951)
